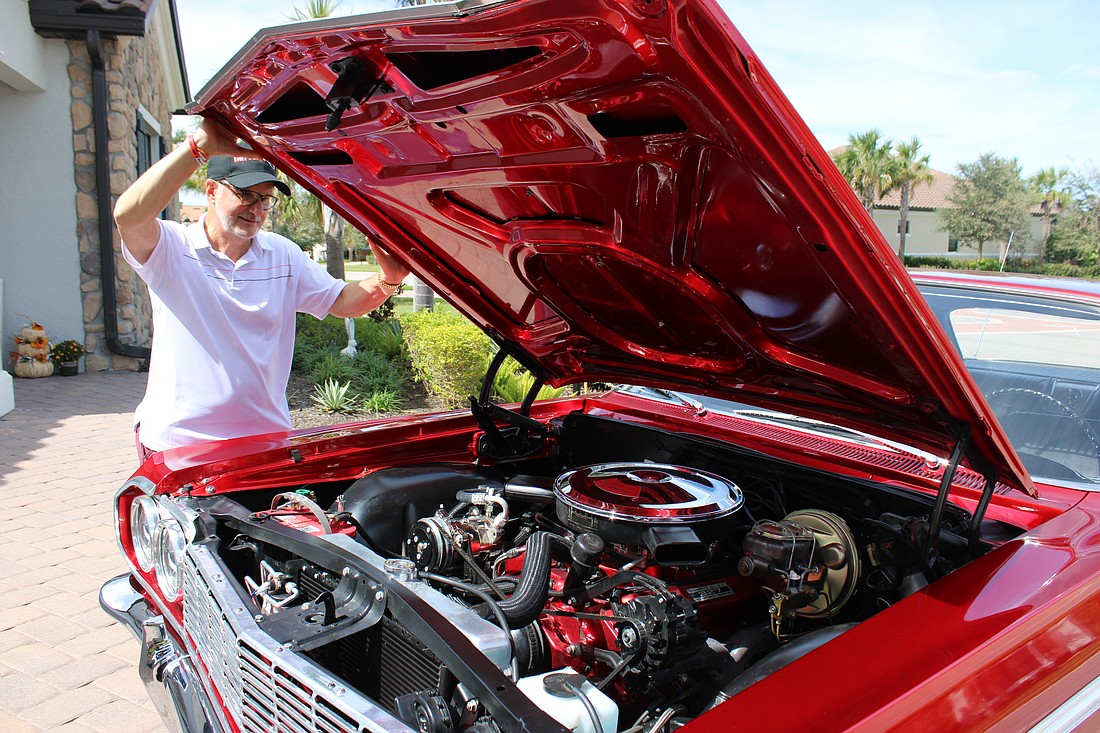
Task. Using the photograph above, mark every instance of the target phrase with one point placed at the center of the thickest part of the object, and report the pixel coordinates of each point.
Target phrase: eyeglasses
(251, 198)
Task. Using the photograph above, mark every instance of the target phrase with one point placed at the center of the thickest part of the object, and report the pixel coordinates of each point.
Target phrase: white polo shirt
(223, 334)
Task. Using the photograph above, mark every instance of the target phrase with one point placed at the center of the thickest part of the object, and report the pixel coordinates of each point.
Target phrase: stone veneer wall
(133, 78)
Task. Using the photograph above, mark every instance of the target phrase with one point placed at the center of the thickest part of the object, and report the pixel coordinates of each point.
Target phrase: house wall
(49, 226)
(925, 237)
(38, 258)
(136, 88)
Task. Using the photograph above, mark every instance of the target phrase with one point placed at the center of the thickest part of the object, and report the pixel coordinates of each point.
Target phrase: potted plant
(67, 353)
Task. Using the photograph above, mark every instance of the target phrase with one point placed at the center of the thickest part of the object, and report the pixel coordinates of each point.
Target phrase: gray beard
(230, 225)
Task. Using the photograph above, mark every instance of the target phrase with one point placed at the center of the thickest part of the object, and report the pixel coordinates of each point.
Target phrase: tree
(197, 182)
(908, 171)
(315, 9)
(1076, 236)
(1047, 186)
(866, 165)
(990, 200)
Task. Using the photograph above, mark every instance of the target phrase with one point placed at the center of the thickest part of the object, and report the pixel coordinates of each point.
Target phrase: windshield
(1037, 361)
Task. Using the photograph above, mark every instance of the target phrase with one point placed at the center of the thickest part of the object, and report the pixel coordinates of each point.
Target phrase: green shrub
(333, 397)
(314, 334)
(992, 264)
(384, 337)
(447, 354)
(372, 379)
(513, 382)
(330, 366)
(373, 372)
(381, 402)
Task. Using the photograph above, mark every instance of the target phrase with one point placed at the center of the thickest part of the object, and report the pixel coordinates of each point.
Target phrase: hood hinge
(524, 435)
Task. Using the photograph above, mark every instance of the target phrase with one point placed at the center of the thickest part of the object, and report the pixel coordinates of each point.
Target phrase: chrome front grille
(266, 688)
(213, 635)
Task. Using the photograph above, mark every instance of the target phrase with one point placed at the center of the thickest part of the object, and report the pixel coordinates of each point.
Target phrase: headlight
(168, 546)
(144, 514)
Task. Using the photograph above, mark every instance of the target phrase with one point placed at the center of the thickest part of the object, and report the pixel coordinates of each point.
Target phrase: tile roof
(923, 196)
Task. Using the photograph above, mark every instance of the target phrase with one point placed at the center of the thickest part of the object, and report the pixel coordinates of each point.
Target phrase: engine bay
(630, 580)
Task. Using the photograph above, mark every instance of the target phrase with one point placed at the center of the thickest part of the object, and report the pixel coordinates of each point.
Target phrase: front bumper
(169, 674)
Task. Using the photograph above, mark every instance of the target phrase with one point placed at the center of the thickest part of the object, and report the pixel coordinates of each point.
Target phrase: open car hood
(616, 191)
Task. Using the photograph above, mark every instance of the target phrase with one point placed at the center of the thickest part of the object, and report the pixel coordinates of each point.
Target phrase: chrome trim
(1073, 712)
(168, 673)
(143, 485)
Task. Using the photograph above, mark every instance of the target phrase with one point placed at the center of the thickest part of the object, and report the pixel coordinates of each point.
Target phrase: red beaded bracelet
(198, 153)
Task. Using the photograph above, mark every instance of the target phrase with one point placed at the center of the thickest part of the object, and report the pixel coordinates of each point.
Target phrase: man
(225, 294)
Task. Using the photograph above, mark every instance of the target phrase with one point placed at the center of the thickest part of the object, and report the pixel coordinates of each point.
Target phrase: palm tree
(908, 171)
(866, 165)
(334, 225)
(1047, 186)
(315, 9)
(197, 182)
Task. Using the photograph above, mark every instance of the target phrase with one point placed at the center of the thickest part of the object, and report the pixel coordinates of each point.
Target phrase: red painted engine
(646, 578)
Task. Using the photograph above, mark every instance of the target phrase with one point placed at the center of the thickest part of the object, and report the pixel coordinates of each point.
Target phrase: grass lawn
(404, 302)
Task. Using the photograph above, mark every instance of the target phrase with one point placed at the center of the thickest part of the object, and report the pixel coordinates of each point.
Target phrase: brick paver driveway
(64, 450)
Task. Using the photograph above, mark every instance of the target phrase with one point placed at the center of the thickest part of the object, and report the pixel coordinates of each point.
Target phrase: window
(150, 143)
(1028, 335)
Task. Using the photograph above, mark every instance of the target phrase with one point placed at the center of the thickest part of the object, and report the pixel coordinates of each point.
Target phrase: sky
(966, 77)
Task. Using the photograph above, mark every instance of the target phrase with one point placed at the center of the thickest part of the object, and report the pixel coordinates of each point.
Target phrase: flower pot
(69, 369)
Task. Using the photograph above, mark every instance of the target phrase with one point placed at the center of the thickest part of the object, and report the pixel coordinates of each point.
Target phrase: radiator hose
(525, 605)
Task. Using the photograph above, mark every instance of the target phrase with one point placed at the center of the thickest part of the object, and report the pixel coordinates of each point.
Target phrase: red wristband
(198, 153)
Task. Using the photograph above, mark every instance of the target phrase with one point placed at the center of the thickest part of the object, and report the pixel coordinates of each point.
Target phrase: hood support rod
(103, 202)
(941, 496)
(979, 514)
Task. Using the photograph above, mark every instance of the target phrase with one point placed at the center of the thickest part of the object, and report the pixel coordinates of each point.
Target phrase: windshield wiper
(699, 407)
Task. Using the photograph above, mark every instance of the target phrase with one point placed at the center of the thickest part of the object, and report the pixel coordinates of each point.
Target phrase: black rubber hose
(502, 621)
(525, 605)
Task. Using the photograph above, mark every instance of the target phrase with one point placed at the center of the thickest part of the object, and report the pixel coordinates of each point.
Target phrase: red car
(820, 500)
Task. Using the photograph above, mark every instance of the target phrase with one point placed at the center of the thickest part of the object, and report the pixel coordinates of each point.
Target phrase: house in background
(190, 213)
(87, 88)
(925, 238)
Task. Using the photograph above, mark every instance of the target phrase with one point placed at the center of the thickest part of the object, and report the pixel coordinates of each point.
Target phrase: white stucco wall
(39, 261)
(924, 236)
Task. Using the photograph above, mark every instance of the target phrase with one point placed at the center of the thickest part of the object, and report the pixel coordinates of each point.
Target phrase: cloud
(1082, 71)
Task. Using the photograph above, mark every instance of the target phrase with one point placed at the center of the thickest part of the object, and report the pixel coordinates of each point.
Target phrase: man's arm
(361, 297)
(138, 207)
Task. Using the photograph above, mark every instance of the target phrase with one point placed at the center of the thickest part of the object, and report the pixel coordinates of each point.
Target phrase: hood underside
(618, 192)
